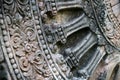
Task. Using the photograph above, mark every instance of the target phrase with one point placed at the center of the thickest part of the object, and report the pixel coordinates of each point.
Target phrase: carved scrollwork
(57, 39)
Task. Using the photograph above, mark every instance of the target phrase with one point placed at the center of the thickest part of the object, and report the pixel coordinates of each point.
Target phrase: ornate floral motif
(112, 25)
(29, 55)
(36, 44)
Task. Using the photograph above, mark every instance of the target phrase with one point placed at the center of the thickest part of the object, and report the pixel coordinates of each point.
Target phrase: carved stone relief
(59, 39)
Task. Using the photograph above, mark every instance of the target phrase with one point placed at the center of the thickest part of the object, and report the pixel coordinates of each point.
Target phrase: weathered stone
(59, 39)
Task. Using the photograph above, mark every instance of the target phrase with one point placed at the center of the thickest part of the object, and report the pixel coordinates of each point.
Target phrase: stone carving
(59, 39)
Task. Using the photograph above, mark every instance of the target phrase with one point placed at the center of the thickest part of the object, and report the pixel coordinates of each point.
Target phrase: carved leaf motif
(24, 64)
(113, 24)
(27, 51)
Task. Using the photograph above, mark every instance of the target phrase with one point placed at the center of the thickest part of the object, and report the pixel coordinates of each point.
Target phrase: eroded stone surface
(59, 39)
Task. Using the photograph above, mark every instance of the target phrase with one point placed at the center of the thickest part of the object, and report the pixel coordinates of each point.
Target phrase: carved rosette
(35, 38)
(28, 54)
